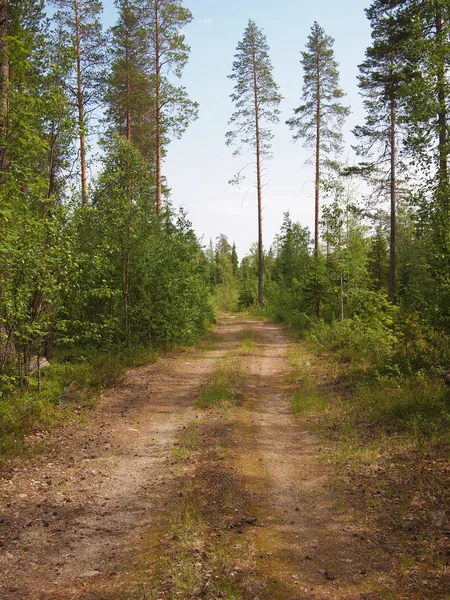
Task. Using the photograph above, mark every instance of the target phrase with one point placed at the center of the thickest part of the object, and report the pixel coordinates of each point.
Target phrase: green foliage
(223, 269)
(66, 388)
(413, 404)
(354, 340)
(223, 386)
(322, 96)
(248, 281)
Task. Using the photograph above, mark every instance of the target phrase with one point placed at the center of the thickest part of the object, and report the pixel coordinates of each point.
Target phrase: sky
(199, 166)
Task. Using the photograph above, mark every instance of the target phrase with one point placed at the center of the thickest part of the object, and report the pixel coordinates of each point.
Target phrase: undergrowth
(67, 387)
(385, 419)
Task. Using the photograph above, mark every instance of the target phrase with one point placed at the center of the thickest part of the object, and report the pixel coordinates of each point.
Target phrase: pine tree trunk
(52, 161)
(393, 241)
(317, 178)
(4, 83)
(442, 107)
(126, 258)
(80, 105)
(128, 87)
(6, 343)
(443, 203)
(258, 183)
(158, 111)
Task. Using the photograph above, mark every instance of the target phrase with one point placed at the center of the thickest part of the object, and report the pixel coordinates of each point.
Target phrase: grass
(193, 554)
(191, 561)
(187, 443)
(223, 386)
(307, 397)
(387, 436)
(247, 342)
(67, 389)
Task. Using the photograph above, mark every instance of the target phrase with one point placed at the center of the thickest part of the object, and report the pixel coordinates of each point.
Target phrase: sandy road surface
(305, 548)
(72, 524)
(73, 521)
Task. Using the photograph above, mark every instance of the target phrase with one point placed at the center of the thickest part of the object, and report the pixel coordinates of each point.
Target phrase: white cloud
(206, 21)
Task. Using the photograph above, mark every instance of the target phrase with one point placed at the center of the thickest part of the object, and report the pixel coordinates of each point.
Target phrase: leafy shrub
(354, 340)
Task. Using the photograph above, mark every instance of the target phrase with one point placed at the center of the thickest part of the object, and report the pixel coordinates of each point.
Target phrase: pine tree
(256, 98)
(168, 53)
(381, 80)
(128, 93)
(81, 21)
(234, 260)
(425, 24)
(320, 119)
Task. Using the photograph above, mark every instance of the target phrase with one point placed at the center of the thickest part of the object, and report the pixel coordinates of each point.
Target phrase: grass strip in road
(196, 552)
(223, 386)
(225, 383)
(187, 443)
(193, 562)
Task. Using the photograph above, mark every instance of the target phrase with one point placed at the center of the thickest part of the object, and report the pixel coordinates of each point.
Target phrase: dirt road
(108, 510)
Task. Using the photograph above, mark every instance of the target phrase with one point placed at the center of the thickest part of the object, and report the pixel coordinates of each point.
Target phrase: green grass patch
(247, 342)
(386, 428)
(67, 388)
(187, 442)
(192, 562)
(307, 399)
(223, 386)
(417, 406)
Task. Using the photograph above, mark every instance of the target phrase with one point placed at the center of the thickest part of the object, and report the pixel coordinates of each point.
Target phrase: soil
(87, 518)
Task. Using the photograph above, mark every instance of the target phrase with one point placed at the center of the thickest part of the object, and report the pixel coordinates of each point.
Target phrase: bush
(354, 340)
(416, 404)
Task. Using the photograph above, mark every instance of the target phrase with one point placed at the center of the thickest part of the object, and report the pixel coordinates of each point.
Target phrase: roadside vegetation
(97, 275)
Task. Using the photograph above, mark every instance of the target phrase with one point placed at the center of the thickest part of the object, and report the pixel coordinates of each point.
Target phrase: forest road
(75, 522)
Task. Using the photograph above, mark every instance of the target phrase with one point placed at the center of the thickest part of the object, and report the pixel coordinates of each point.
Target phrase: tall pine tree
(381, 80)
(80, 19)
(319, 120)
(256, 97)
(168, 53)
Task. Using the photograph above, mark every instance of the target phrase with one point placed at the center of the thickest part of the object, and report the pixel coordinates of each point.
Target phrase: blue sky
(199, 166)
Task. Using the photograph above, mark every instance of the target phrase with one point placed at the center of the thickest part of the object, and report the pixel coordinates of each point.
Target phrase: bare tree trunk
(80, 104)
(393, 241)
(317, 179)
(158, 111)
(126, 258)
(258, 184)
(128, 103)
(6, 345)
(126, 281)
(443, 204)
(442, 116)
